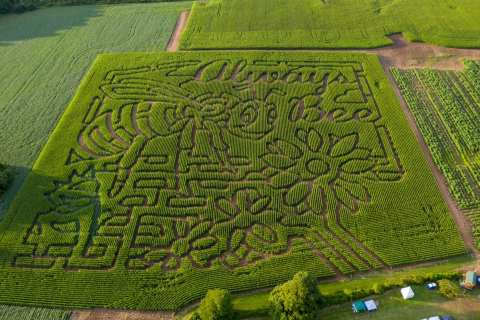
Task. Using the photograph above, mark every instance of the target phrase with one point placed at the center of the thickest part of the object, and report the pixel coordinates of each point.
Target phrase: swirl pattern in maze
(195, 163)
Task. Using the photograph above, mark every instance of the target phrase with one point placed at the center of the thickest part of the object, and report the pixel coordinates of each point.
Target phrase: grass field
(43, 61)
(330, 23)
(446, 105)
(173, 173)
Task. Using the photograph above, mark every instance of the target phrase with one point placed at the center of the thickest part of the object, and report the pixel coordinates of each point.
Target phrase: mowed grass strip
(170, 174)
(44, 55)
(330, 23)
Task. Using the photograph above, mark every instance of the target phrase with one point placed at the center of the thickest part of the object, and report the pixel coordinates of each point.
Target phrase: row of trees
(17, 6)
(297, 299)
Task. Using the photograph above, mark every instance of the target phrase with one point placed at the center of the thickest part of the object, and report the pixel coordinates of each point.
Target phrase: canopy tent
(407, 293)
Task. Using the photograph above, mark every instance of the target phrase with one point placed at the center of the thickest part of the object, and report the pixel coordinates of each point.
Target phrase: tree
(217, 305)
(297, 299)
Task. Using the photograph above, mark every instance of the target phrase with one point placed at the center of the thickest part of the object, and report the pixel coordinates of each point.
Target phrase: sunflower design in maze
(224, 162)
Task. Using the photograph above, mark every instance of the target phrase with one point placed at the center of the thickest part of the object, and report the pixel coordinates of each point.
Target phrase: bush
(195, 316)
(217, 305)
(448, 288)
(297, 299)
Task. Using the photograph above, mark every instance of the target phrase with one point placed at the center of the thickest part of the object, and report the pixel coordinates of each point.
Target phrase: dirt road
(174, 41)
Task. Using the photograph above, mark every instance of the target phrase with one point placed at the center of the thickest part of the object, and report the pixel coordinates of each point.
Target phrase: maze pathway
(222, 168)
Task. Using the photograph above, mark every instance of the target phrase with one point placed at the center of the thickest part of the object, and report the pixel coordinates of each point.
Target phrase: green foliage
(26, 313)
(21, 6)
(217, 305)
(448, 288)
(38, 87)
(330, 24)
(297, 299)
(172, 174)
(446, 106)
(195, 316)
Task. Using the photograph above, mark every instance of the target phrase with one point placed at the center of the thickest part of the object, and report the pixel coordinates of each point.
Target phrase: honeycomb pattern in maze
(229, 162)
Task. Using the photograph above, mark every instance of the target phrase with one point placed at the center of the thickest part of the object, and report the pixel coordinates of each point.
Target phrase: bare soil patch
(404, 54)
(104, 314)
(174, 41)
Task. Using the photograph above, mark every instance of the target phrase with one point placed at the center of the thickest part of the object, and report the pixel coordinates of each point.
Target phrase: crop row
(446, 106)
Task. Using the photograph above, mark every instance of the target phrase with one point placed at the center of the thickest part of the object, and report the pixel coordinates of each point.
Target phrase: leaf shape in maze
(297, 194)
(344, 145)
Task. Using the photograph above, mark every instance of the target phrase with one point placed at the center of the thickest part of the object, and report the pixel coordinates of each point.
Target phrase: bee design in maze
(218, 163)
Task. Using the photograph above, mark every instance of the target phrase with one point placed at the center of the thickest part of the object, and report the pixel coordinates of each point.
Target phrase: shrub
(195, 316)
(378, 288)
(297, 299)
(217, 305)
(448, 288)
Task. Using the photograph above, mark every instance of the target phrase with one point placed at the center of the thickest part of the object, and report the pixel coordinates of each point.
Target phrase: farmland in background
(446, 106)
(173, 173)
(330, 23)
(45, 53)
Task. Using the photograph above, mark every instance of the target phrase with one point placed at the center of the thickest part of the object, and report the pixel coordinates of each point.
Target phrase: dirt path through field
(174, 41)
(461, 220)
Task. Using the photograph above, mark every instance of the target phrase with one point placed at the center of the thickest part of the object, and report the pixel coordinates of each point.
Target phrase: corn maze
(446, 105)
(172, 174)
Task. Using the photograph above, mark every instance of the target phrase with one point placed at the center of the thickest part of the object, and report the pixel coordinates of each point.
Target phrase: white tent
(407, 293)
(371, 305)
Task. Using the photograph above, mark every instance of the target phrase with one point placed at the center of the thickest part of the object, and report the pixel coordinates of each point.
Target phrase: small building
(359, 306)
(370, 305)
(470, 281)
(407, 293)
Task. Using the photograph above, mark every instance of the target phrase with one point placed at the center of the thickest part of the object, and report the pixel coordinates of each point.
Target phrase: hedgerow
(446, 106)
(172, 174)
(21, 6)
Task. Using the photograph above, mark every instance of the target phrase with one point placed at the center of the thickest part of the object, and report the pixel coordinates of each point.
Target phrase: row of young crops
(170, 174)
(446, 106)
(26, 313)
